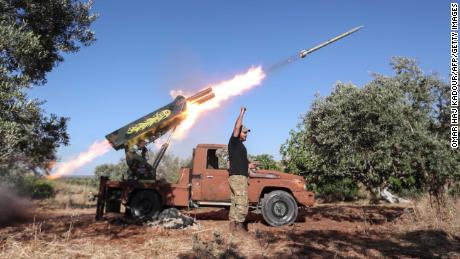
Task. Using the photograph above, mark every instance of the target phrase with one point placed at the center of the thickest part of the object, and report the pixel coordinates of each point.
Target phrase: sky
(145, 50)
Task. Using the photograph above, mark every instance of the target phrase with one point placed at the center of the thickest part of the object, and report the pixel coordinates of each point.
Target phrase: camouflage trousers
(239, 197)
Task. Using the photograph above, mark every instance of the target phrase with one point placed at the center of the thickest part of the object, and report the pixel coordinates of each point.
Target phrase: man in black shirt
(238, 175)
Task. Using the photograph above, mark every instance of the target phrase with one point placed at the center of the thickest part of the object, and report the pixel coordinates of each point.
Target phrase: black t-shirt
(238, 157)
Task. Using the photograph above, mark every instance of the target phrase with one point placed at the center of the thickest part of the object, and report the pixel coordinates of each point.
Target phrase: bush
(37, 188)
(407, 187)
(336, 190)
(84, 181)
(454, 190)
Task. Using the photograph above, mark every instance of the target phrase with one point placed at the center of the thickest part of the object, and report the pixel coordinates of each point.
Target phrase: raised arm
(239, 122)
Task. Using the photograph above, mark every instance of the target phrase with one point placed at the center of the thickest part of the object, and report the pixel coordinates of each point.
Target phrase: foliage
(392, 132)
(266, 162)
(37, 188)
(454, 190)
(113, 171)
(336, 189)
(28, 138)
(83, 181)
(35, 34)
(33, 37)
(168, 168)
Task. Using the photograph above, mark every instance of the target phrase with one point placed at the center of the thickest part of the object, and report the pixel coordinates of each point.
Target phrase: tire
(279, 208)
(145, 205)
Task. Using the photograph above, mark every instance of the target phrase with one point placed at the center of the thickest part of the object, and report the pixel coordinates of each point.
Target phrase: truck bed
(172, 194)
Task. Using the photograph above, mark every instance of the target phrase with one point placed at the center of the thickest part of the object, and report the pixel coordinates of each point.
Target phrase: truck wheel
(145, 205)
(279, 208)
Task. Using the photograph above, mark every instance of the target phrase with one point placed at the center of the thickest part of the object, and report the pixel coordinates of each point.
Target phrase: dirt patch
(324, 231)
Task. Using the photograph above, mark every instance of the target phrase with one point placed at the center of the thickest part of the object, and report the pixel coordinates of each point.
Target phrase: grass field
(64, 227)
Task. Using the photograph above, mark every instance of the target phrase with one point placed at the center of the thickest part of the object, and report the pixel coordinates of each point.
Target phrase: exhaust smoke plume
(66, 168)
(13, 209)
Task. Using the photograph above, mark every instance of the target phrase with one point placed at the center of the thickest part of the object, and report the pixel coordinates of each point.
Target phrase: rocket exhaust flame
(213, 96)
(66, 168)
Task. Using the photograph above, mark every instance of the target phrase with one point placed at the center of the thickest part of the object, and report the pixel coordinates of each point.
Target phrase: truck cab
(206, 184)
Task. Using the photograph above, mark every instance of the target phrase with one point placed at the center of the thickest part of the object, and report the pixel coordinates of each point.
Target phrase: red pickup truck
(206, 184)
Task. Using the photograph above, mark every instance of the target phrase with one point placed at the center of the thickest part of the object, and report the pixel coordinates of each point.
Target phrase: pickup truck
(205, 184)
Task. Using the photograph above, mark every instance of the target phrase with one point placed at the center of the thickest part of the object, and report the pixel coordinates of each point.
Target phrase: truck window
(217, 159)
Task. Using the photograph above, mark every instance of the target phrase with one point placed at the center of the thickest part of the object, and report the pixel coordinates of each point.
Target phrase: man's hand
(239, 122)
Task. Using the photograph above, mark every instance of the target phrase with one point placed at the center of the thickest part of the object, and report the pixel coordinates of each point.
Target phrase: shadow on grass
(368, 214)
(348, 213)
(220, 214)
(332, 243)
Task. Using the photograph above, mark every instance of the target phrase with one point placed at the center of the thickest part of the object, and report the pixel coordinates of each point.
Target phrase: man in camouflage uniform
(238, 175)
(136, 158)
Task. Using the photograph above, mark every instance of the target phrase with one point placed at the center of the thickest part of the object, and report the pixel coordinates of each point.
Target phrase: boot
(240, 228)
(232, 226)
(246, 226)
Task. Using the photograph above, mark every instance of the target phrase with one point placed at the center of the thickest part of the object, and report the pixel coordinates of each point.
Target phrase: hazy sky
(146, 49)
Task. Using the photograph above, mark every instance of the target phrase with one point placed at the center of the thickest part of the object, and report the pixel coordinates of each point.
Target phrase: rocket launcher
(157, 123)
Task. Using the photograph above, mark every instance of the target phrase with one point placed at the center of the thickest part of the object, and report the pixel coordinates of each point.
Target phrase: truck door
(215, 179)
(195, 178)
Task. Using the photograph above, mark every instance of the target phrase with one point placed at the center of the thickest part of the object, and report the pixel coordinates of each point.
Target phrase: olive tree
(394, 131)
(34, 35)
